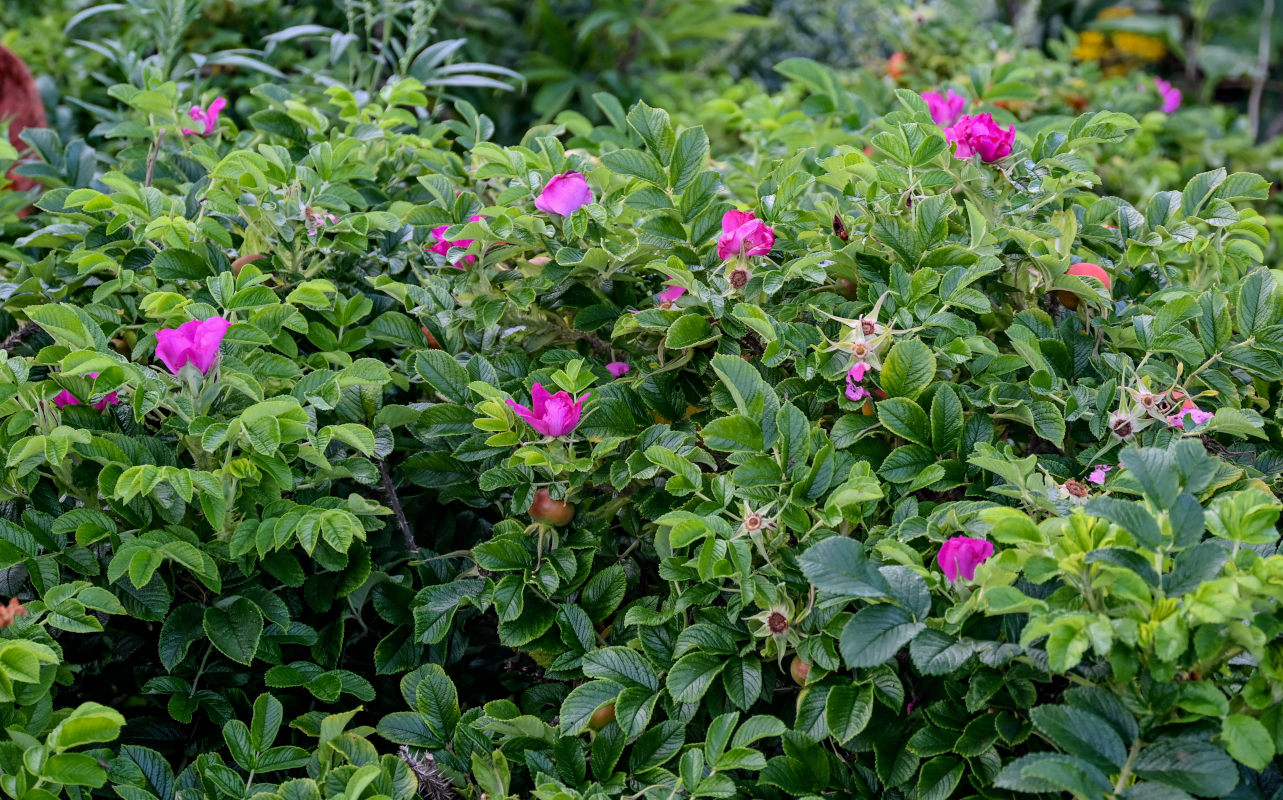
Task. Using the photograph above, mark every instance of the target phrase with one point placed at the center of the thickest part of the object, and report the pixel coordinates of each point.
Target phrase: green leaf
(1248, 741)
(939, 777)
(583, 701)
(908, 369)
(1189, 763)
(691, 676)
(905, 419)
(444, 374)
(848, 710)
(637, 164)
(735, 433)
(946, 420)
(234, 629)
(875, 634)
(1044, 773)
(89, 723)
(690, 155)
(621, 665)
(1131, 517)
(838, 566)
(1082, 734)
(690, 330)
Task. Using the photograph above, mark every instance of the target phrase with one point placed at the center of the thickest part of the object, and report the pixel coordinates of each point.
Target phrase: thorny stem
(394, 502)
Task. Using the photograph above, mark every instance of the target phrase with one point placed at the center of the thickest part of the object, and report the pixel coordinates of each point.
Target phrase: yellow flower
(1092, 46)
(1147, 48)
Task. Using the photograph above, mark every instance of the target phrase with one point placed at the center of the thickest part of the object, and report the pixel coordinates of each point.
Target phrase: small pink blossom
(66, 398)
(207, 119)
(744, 234)
(855, 392)
(858, 371)
(552, 414)
(618, 368)
(1196, 415)
(945, 110)
(564, 194)
(195, 342)
(1097, 475)
(442, 246)
(961, 555)
(979, 134)
(1170, 95)
(317, 218)
(666, 298)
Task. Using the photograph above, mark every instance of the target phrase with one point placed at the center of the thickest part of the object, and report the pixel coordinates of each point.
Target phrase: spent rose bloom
(552, 414)
(618, 368)
(66, 398)
(1196, 415)
(564, 194)
(961, 555)
(1097, 475)
(1171, 96)
(945, 110)
(979, 134)
(743, 233)
(195, 342)
(443, 245)
(206, 118)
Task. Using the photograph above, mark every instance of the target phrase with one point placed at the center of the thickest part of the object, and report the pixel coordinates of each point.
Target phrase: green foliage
(339, 564)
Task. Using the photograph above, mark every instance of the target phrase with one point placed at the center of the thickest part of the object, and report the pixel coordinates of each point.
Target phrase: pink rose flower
(618, 368)
(855, 392)
(1170, 95)
(195, 342)
(666, 298)
(66, 398)
(207, 119)
(744, 234)
(961, 555)
(945, 110)
(552, 415)
(980, 134)
(443, 245)
(1097, 475)
(1196, 415)
(564, 194)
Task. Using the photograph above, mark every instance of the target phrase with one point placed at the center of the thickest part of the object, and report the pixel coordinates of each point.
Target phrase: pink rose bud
(979, 134)
(945, 110)
(744, 234)
(552, 415)
(66, 398)
(564, 194)
(618, 368)
(1170, 95)
(1098, 472)
(961, 555)
(194, 342)
(207, 119)
(442, 246)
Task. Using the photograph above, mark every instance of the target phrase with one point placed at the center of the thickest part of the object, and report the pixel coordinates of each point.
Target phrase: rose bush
(608, 465)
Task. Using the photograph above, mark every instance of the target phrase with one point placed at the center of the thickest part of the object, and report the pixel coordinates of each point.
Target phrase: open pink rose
(945, 110)
(443, 245)
(1098, 472)
(564, 194)
(961, 555)
(207, 119)
(194, 342)
(744, 234)
(1170, 95)
(552, 415)
(66, 398)
(980, 134)
(1196, 415)
(618, 368)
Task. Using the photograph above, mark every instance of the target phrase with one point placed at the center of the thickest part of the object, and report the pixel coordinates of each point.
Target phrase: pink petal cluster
(564, 194)
(443, 245)
(961, 555)
(618, 368)
(744, 234)
(854, 391)
(1171, 96)
(1097, 475)
(945, 110)
(206, 118)
(666, 298)
(66, 398)
(195, 342)
(552, 414)
(1197, 415)
(980, 134)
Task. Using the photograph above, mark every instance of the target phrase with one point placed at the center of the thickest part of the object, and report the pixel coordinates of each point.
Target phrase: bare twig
(25, 332)
(1262, 69)
(153, 155)
(394, 502)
